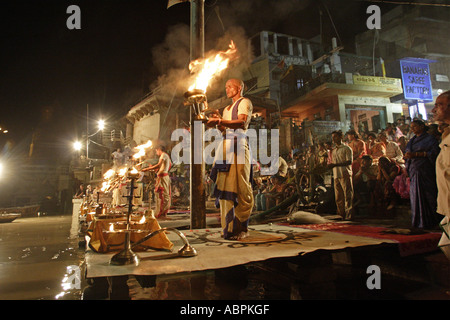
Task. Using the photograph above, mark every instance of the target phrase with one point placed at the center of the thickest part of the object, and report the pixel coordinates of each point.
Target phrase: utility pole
(197, 170)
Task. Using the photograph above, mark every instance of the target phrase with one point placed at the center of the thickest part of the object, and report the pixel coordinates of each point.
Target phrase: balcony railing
(292, 91)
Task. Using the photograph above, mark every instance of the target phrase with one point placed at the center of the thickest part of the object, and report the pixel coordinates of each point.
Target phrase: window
(271, 47)
(283, 45)
(295, 50)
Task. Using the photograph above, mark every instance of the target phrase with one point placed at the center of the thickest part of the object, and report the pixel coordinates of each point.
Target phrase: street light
(101, 124)
(77, 145)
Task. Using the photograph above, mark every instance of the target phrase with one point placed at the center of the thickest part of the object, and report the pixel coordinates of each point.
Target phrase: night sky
(45, 67)
(50, 73)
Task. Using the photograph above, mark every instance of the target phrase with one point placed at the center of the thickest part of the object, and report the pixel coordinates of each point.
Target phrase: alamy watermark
(374, 20)
(72, 280)
(237, 145)
(74, 20)
(374, 280)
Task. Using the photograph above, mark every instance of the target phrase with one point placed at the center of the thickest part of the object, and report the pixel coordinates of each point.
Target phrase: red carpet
(409, 244)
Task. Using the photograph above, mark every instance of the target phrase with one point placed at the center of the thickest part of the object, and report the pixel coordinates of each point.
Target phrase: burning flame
(142, 220)
(134, 171)
(122, 171)
(109, 174)
(141, 149)
(111, 227)
(207, 69)
(105, 186)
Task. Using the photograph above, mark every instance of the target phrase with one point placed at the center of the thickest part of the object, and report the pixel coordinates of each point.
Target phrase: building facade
(310, 86)
(416, 34)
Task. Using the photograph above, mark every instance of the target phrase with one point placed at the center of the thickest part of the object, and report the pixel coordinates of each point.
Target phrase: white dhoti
(117, 195)
(162, 195)
(233, 190)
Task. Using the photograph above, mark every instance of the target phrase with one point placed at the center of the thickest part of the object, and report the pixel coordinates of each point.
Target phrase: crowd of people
(374, 171)
(371, 170)
(406, 161)
(378, 170)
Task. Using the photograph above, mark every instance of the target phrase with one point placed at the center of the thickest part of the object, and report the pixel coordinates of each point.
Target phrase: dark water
(34, 259)
(40, 259)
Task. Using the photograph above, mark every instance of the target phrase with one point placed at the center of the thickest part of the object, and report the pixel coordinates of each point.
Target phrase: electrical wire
(332, 22)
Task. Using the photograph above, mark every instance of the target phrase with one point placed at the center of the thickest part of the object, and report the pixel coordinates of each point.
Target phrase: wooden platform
(264, 242)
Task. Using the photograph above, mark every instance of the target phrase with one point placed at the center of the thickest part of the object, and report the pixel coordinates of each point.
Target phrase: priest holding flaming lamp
(162, 185)
(233, 190)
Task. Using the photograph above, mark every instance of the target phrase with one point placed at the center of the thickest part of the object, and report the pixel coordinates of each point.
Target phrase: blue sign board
(416, 80)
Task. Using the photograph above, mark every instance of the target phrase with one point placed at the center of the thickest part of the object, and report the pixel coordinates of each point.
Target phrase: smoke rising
(228, 20)
(171, 59)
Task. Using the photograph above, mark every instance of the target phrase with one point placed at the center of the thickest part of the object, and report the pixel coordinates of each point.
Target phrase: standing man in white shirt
(162, 186)
(341, 163)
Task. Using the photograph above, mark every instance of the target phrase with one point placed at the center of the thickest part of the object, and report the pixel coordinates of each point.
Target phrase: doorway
(365, 119)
